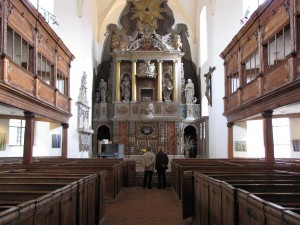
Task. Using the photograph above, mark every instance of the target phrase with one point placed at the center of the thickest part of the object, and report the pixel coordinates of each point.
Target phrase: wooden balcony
(276, 84)
(19, 88)
(22, 84)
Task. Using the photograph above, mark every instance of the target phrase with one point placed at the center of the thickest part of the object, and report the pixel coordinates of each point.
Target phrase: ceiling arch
(107, 8)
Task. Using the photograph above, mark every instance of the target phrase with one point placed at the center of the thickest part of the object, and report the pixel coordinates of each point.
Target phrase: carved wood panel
(62, 102)
(45, 92)
(45, 49)
(277, 78)
(249, 48)
(18, 78)
(250, 91)
(233, 100)
(275, 22)
(21, 25)
(232, 64)
(63, 65)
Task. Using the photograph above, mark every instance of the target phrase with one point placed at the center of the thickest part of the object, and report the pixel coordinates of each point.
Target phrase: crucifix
(208, 84)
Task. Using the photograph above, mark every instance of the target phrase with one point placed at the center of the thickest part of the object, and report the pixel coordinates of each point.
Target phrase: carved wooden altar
(143, 56)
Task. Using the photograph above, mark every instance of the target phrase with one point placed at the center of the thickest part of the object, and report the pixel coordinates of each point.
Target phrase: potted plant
(188, 146)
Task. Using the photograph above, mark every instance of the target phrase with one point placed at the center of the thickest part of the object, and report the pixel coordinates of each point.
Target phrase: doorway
(190, 140)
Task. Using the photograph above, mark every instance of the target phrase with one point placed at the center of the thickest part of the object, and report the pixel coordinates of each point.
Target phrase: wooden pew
(222, 195)
(254, 209)
(79, 202)
(222, 166)
(78, 166)
(217, 202)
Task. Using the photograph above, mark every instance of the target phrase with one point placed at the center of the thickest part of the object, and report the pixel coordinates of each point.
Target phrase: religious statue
(82, 91)
(208, 84)
(177, 42)
(102, 90)
(167, 89)
(125, 89)
(148, 109)
(189, 92)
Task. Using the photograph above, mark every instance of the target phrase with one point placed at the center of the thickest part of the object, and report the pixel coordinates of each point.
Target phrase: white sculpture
(102, 90)
(125, 89)
(189, 92)
(167, 90)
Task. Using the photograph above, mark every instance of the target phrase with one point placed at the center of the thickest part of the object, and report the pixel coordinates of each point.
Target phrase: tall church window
(19, 50)
(234, 81)
(16, 132)
(252, 67)
(44, 68)
(278, 47)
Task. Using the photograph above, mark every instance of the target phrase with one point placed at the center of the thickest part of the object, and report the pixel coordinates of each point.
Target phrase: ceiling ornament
(146, 13)
(147, 10)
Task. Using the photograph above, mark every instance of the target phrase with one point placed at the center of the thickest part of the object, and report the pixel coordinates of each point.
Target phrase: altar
(152, 96)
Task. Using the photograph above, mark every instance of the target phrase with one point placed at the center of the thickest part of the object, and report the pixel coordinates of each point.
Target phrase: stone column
(64, 149)
(268, 136)
(230, 140)
(28, 137)
(118, 77)
(175, 90)
(133, 81)
(159, 80)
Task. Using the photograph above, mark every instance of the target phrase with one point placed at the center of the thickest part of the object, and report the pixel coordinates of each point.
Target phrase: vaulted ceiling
(186, 9)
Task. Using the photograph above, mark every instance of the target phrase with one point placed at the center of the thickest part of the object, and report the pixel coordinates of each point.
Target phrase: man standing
(148, 160)
(161, 165)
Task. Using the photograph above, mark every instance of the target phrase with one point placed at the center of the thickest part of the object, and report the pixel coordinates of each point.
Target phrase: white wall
(295, 135)
(4, 129)
(79, 35)
(239, 134)
(42, 140)
(221, 27)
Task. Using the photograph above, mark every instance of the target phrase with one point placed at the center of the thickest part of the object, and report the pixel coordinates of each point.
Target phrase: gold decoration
(147, 10)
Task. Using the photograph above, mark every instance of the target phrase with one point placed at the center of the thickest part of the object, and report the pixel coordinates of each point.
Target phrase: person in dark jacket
(161, 165)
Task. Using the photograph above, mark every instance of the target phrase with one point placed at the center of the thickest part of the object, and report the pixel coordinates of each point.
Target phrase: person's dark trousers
(148, 179)
(161, 174)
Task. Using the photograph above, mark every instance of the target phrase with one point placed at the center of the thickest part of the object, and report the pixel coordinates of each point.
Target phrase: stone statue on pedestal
(189, 92)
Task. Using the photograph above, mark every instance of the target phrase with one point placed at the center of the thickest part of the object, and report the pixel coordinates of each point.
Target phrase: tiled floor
(138, 206)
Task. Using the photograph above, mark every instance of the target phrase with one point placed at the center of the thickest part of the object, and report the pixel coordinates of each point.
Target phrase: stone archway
(103, 132)
(190, 134)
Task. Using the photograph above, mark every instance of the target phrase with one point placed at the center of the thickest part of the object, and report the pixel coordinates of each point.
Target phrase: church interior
(89, 88)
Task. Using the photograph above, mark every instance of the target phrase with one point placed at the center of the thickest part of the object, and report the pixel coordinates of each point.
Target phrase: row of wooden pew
(59, 191)
(238, 192)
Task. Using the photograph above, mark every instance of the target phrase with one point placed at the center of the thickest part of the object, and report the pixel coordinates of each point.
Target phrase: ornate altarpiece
(137, 62)
(84, 131)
